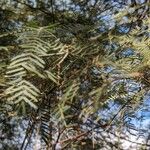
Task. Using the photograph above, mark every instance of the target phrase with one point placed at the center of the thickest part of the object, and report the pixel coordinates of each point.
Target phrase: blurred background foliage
(75, 74)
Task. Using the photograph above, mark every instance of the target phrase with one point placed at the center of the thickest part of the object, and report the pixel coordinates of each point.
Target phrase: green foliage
(42, 61)
(65, 75)
(27, 64)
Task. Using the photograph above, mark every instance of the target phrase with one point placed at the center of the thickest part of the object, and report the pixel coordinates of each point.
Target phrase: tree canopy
(75, 74)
